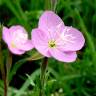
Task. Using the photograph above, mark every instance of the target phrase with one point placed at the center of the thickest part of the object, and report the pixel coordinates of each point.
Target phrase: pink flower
(16, 38)
(53, 39)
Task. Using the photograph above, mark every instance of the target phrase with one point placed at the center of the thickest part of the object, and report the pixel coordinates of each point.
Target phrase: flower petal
(63, 56)
(27, 46)
(6, 35)
(40, 41)
(13, 30)
(49, 23)
(71, 40)
(16, 51)
(16, 27)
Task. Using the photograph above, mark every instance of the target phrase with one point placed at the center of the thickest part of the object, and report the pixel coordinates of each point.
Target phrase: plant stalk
(43, 75)
(5, 82)
(8, 65)
(3, 73)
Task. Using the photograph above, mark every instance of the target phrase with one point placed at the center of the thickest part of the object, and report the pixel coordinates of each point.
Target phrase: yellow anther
(52, 44)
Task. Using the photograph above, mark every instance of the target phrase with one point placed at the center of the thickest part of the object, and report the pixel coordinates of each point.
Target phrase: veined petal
(26, 46)
(49, 22)
(63, 56)
(16, 51)
(17, 29)
(6, 35)
(40, 41)
(71, 39)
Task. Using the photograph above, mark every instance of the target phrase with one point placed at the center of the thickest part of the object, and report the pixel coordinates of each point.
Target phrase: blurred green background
(72, 79)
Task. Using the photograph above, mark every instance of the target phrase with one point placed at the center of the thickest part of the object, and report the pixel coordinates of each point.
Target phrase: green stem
(53, 5)
(3, 73)
(47, 5)
(8, 65)
(5, 82)
(42, 78)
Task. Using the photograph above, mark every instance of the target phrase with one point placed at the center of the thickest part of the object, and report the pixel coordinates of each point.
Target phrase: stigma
(52, 44)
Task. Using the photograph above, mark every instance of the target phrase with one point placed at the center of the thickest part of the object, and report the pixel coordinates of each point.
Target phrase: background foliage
(75, 79)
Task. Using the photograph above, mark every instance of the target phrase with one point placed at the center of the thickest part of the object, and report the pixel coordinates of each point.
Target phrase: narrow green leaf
(27, 83)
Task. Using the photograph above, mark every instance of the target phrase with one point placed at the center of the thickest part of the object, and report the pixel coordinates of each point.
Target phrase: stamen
(52, 44)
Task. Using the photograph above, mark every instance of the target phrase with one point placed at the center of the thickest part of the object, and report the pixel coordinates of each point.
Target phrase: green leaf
(27, 83)
(30, 80)
(16, 66)
(35, 56)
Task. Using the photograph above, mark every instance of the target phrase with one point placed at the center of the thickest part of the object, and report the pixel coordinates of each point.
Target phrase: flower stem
(8, 65)
(5, 82)
(42, 78)
(3, 73)
(53, 5)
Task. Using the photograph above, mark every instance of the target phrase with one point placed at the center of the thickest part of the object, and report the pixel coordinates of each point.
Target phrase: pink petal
(40, 42)
(63, 56)
(16, 51)
(6, 35)
(74, 43)
(27, 46)
(15, 28)
(49, 22)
